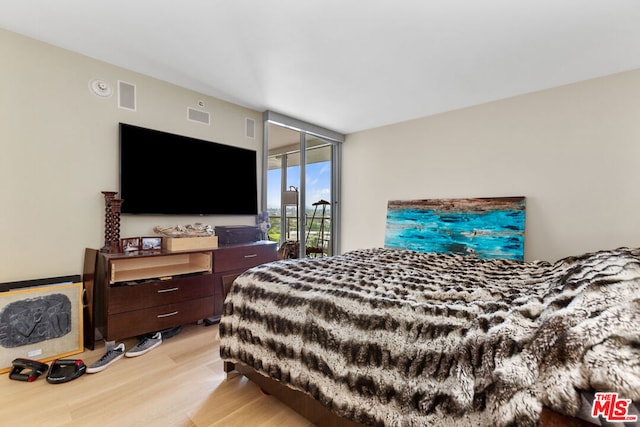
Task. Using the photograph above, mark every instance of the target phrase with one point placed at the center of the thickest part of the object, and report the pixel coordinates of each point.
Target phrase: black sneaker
(107, 359)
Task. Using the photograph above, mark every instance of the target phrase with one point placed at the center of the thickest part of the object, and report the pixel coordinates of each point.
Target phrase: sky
(318, 183)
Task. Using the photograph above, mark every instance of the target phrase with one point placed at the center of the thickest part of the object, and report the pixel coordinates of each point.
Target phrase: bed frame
(316, 413)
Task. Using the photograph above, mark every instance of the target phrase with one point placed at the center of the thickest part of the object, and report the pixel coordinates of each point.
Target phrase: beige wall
(573, 151)
(59, 150)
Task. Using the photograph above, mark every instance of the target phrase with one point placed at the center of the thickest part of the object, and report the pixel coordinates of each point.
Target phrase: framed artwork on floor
(40, 323)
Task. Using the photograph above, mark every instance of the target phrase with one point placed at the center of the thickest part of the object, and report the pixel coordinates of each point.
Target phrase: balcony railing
(318, 238)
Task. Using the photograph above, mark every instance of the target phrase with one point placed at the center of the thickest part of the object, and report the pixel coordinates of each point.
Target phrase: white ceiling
(347, 65)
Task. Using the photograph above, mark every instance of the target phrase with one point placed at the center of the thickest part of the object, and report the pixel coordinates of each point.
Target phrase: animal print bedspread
(401, 338)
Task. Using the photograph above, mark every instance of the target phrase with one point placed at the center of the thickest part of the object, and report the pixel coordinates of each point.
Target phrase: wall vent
(250, 127)
(194, 115)
(126, 95)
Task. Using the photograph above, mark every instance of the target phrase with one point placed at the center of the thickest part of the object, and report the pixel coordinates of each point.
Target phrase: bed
(394, 337)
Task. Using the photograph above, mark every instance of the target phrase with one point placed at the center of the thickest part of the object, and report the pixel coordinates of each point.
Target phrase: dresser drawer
(139, 322)
(243, 257)
(126, 298)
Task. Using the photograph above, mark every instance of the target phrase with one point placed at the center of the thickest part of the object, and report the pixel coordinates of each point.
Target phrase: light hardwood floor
(180, 383)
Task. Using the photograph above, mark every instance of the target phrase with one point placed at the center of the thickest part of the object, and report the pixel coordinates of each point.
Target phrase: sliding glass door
(319, 200)
(301, 191)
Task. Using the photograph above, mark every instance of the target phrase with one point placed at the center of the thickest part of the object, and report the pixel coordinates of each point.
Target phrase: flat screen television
(164, 173)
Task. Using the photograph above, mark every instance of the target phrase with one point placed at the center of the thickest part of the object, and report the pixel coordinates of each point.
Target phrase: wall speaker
(250, 127)
(194, 115)
(126, 95)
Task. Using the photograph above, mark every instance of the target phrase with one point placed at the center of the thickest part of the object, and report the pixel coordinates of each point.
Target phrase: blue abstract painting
(485, 227)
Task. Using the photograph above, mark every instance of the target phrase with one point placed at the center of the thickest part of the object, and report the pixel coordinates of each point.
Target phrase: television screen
(163, 173)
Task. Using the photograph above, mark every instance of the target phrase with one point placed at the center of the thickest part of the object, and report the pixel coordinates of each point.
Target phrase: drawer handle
(173, 313)
(251, 256)
(161, 291)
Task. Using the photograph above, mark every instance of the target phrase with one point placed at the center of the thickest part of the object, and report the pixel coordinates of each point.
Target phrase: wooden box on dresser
(142, 292)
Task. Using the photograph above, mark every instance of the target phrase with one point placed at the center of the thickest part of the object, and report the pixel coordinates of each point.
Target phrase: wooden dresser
(142, 292)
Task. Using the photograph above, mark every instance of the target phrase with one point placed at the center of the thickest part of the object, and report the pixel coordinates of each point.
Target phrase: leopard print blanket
(400, 338)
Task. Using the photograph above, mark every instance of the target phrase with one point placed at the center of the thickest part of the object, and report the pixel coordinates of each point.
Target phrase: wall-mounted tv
(164, 173)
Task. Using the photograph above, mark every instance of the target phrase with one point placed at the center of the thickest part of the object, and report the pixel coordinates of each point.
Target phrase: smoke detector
(100, 88)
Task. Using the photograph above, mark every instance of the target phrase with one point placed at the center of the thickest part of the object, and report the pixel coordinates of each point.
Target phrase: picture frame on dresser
(41, 323)
(130, 244)
(153, 243)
